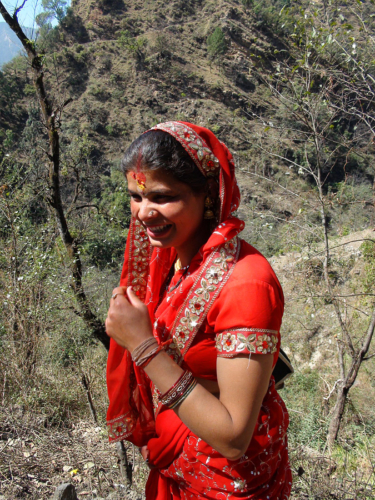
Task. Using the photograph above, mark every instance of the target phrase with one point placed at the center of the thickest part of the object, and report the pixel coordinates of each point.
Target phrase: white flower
(239, 484)
(214, 275)
(190, 320)
(229, 342)
(205, 290)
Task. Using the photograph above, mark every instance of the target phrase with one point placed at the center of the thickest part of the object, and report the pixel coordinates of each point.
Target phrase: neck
(187, 252)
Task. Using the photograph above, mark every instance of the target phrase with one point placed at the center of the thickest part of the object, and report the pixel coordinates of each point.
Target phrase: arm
(227, 423)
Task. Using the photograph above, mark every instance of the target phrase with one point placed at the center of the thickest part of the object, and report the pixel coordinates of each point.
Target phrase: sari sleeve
(247, 318)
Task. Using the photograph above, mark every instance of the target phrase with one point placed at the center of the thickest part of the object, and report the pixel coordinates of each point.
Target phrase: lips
(157, 231)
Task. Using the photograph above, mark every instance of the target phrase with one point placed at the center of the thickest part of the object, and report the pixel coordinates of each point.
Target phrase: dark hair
(156, 150)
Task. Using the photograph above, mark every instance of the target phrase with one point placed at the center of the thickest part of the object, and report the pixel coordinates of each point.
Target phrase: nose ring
(151, 213)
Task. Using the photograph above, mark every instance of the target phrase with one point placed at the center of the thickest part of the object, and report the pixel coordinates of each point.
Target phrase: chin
(159, 243)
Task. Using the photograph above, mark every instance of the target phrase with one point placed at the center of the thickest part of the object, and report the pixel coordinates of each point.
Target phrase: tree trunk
(344, 388)
(126, 467)
(338, 412)
(96, 326)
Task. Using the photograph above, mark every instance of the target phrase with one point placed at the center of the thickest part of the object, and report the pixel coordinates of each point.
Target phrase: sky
(27, 15)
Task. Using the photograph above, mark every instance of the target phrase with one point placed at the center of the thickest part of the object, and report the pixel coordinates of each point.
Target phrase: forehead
(156, 179)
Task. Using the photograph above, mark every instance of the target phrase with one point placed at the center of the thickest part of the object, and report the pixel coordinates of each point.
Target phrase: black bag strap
(283, 369)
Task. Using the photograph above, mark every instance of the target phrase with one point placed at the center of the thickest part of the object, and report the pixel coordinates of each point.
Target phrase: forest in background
(289, 87)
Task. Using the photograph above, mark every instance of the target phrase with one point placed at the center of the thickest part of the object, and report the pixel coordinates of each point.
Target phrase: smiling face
(170, 211)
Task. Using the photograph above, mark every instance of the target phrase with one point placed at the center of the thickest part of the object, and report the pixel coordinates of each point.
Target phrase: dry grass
(35, 459)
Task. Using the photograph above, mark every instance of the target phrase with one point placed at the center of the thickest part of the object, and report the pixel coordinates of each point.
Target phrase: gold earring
(208, 213)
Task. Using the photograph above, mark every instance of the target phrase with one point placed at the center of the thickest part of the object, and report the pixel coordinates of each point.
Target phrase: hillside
(296, 111)
(129, 66)
(10, 46)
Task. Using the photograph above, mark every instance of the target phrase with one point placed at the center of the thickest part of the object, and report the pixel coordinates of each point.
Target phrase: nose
(146, 211)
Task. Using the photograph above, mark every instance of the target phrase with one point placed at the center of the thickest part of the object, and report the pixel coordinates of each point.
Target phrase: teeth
(158, 229)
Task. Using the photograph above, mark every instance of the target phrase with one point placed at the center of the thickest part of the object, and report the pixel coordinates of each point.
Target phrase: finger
(145, 452)
(120, 290)
(133, 298)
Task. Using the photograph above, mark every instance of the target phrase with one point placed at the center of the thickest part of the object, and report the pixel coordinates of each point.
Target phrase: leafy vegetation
(216, 43)
(292, 96)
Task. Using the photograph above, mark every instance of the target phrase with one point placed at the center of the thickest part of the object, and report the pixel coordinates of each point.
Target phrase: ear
(212, 188)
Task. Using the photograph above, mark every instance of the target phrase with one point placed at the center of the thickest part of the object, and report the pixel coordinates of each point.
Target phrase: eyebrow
(155, 191)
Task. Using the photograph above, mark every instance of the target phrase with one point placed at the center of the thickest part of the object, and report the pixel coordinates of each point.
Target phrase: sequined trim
(197, 148)
(206, 288)
(242, 340)
(139, 258)
(120, 427)
(202, 294)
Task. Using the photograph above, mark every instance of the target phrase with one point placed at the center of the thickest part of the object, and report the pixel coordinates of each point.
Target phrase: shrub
(216, 43)
(135, 46)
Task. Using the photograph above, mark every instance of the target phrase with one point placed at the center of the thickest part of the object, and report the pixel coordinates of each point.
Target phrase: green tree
(323, 93)
(216, 43)
(46, 134)
(134, 45)
(53, 9)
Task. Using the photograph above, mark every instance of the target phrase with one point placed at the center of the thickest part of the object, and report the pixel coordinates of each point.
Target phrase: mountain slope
(10, 46)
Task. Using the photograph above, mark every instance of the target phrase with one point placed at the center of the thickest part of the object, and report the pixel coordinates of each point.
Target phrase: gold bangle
(179, 391)
(183, 396)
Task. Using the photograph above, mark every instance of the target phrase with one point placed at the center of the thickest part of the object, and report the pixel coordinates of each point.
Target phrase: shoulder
(247, 314)
(252, 297)
(253, 267)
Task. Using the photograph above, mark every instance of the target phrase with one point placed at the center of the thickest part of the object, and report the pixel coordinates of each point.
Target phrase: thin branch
(19, 8)
(339, 381)
(277, 184)
(341, 245)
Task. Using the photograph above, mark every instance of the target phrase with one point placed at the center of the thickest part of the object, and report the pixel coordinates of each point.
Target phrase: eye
(135, 197)
(163, 198)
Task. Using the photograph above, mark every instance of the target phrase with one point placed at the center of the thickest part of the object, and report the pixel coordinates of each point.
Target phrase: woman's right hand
(128, 321)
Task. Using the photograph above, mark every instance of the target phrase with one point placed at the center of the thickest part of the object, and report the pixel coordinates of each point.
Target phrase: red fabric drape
(130, 413)
(184, 466)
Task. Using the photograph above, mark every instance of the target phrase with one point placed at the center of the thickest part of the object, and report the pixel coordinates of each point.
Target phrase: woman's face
(170, 211)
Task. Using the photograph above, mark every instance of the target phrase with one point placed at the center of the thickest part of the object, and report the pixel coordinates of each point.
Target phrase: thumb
(133, 298)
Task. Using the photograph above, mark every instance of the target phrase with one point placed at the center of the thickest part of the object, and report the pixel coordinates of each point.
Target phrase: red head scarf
(130, 414)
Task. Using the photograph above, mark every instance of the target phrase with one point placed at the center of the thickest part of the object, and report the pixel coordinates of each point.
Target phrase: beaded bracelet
(147, 358)
(141, 348)
(179, 391)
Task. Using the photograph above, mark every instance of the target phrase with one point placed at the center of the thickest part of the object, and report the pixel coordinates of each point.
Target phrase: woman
(200, 400)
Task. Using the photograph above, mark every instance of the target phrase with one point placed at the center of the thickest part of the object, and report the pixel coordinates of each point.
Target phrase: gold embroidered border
(139, 259)
(121, 427)
(194, 145)
(207, 286)
(241, 341)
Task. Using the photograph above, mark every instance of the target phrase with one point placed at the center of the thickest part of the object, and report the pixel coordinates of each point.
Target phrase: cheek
(199, 207)
(133, 208)
(194, 216)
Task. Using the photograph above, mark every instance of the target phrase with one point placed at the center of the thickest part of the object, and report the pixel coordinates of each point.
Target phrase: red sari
(229, 303)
